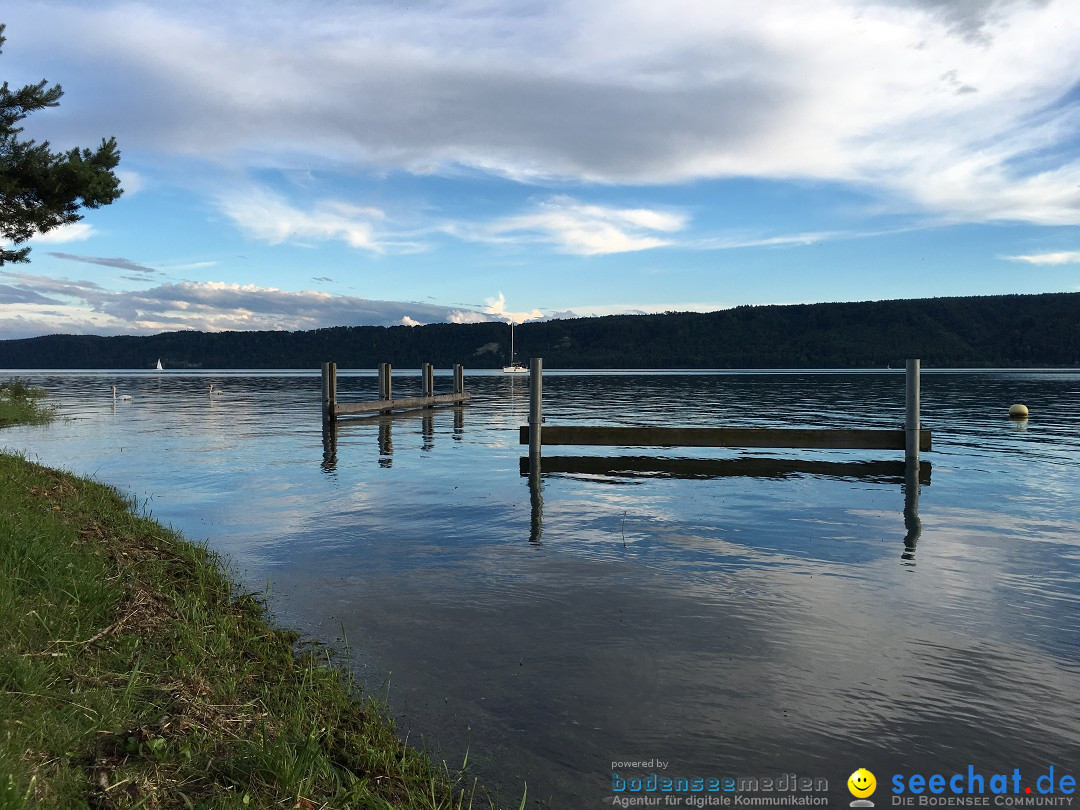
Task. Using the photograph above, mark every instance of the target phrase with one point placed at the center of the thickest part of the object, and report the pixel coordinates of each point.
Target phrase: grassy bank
(20, 404)
(131, 675)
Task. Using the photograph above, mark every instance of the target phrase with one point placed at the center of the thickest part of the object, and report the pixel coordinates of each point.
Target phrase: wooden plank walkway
(346, 408)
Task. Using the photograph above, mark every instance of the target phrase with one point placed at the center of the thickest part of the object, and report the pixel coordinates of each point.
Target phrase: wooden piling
(329, 391)
(386, 403)
(385, 383)
(911, 420)
(536, 411)
(427, 380)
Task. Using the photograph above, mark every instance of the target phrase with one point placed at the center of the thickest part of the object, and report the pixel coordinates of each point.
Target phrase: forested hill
(1001, 331)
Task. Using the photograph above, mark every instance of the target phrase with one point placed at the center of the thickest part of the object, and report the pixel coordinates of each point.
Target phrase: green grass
(133, 676)
(20, 404)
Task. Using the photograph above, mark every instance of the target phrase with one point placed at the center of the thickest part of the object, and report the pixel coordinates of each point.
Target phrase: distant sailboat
(515, 367)
(159, 366)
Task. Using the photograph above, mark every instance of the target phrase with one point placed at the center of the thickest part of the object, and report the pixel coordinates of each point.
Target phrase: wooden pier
(332, 409)
(910, 473)
(911, 438)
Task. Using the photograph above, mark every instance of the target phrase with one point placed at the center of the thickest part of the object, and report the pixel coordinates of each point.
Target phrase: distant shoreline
(983, 332)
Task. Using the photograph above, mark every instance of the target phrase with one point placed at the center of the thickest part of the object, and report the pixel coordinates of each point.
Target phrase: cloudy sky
(290, 165)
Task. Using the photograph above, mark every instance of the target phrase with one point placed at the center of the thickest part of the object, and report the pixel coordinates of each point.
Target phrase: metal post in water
(536, 411)
(536, 420)
(329, 391)
(911, 420)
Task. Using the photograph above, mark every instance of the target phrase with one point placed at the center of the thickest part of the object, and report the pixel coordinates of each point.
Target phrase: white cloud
(75, 232)
(960, 109)
(786, 240)
(1061, 257)
(497, 307)
(585, 230)
(597, 310)
(130, 181)
(52, 305)
(467, 316)
(267, 216)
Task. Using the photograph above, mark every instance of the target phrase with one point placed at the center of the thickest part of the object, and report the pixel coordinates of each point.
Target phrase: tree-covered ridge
(986, 331)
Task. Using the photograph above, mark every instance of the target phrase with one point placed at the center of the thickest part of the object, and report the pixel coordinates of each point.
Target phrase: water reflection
(625, 469)
(330, 446)
(332, 429)
(386, 443)
(910, 474)
(536, 503)
(912, 522)
(428, 431)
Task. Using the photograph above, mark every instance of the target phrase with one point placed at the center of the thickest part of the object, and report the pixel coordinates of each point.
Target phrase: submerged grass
(21, 404)
(133, 676)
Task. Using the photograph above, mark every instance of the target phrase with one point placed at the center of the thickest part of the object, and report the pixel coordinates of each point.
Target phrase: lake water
(767, 617)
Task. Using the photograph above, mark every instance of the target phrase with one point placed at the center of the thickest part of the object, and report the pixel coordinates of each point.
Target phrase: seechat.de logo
(862, 784)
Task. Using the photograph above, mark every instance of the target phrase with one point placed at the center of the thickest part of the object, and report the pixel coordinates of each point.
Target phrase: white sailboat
(515, 367)
(159, 366)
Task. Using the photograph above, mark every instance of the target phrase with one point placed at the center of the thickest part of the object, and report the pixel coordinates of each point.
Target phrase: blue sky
(292, 165)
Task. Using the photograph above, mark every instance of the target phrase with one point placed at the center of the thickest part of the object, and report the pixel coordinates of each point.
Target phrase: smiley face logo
(861, 783)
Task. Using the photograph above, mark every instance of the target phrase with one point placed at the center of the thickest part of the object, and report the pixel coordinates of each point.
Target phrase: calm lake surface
(783, 617)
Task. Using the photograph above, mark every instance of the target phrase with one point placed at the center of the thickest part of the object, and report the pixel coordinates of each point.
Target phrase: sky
(295, 165)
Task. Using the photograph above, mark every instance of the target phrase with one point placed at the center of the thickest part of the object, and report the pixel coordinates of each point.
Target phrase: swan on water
(121, 397)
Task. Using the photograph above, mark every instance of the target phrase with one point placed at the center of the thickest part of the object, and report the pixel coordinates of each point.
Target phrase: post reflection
(912, 521)
(427, 431)
(386, 443)
(385, 423)
(536, 511)
(621, 470)
(329, 446)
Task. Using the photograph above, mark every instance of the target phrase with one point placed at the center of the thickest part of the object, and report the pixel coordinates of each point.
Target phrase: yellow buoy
(1018, 411)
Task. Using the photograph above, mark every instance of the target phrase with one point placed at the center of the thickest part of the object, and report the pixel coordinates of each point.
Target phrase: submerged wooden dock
(910, 473)
(332, 409)
(911, 438)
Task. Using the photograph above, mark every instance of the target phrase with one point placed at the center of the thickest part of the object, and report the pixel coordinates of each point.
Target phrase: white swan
(121, 397)
(215, 392)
